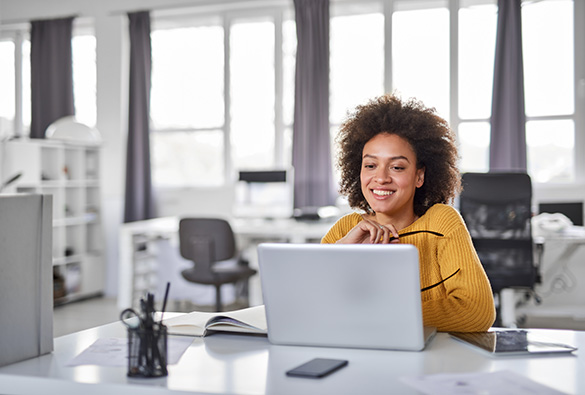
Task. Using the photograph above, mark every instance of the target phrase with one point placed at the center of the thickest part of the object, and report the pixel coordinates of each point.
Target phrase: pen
(164, 306)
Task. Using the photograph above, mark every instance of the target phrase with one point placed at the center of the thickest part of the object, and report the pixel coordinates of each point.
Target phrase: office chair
(496, 208)
(206, 241)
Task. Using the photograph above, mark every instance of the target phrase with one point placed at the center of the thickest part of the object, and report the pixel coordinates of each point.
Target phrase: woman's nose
(383, 175)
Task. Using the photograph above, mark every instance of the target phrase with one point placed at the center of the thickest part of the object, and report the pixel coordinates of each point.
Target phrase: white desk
(248, 232)
(558, 278)
(238, 364)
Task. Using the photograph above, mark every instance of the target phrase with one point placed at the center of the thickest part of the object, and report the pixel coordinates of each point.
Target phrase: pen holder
(147, 351)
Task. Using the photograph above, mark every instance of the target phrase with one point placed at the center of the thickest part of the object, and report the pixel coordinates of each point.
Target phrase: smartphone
(318, 367)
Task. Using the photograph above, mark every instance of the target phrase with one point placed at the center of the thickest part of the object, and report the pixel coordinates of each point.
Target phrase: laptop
(354, 296)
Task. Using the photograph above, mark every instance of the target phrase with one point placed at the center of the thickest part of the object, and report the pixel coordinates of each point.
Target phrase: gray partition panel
(26, 277)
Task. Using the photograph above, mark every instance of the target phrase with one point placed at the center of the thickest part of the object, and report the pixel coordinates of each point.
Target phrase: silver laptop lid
(364, 296)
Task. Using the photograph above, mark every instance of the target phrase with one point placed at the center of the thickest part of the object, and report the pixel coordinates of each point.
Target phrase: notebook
(356, 296)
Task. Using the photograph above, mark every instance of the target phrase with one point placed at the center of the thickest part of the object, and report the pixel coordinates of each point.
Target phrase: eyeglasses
(418, 231)
(440, 282)
(436, 234)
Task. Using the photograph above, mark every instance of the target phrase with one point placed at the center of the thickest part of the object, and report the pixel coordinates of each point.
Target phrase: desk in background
(558, 278)
(138, 262)
(240, 364)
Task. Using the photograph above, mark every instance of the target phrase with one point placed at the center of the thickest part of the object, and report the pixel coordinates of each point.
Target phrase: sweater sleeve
(340, 228)
(467, 304)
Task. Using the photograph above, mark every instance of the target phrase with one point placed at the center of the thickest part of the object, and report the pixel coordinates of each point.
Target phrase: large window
(239, 114)
(222, 95)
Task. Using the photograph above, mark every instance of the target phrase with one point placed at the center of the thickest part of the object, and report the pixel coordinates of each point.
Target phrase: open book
(197, 323)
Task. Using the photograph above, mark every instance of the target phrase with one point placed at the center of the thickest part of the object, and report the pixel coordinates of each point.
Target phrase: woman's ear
(420, 177)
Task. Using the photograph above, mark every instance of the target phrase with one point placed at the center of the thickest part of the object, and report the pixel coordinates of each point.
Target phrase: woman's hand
(369, 231)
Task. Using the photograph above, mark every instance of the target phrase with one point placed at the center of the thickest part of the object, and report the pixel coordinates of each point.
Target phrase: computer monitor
(264, 194)
(572, 210)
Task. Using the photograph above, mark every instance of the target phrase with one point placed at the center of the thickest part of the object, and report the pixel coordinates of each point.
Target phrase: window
(548, 46)
(356, 58)
(222, 95)
(15, 77)
(420, 52)
(7, 82)
(476, 49)
(84, 78)
(187, 105)
(439, 51)
(252, 93)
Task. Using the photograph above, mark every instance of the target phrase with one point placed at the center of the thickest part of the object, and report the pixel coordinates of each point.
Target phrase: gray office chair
(496, 208)
(206, 241)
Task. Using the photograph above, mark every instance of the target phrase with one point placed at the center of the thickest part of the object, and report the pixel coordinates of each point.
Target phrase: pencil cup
(147, 351)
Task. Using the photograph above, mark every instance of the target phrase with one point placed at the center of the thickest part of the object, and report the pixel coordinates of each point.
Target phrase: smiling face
(389, 178)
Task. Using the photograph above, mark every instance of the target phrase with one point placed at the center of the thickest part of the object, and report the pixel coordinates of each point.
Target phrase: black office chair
(497, 210)
(206, 241)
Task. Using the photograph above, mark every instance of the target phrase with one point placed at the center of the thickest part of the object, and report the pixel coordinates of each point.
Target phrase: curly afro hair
(430, 136)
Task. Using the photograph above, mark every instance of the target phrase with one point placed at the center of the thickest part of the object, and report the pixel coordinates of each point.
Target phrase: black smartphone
(318, 367)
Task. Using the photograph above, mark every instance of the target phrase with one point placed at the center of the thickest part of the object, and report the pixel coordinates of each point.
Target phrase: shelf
(70, 172)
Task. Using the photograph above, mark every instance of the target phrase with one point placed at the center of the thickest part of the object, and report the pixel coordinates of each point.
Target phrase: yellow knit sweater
(462, 303)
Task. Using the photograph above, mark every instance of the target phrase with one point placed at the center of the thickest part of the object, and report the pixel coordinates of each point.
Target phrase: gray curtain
(311, 144)
(51, 73)
(139, 202)
(508, 122)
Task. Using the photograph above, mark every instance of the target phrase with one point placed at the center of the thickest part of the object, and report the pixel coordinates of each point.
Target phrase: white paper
(502, 382)
(113, 351)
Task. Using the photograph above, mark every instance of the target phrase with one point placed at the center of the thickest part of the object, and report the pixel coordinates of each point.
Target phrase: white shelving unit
(69, 171)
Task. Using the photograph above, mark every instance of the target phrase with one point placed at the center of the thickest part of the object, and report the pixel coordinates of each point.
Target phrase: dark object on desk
(317, 368)
(496, 208)
(572, 210)
(206, 241)
(504, 342)
(147, 341)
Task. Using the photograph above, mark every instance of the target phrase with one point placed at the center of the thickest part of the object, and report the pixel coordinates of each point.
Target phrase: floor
(77, 316)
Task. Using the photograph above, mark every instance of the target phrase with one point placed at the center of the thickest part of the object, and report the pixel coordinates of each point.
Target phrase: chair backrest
(497, 209)
(217, 231)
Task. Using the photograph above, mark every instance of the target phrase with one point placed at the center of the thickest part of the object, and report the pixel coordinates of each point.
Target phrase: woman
(398, 163)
